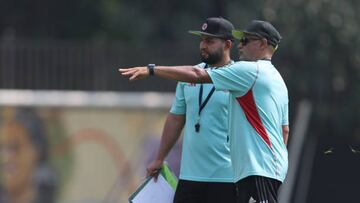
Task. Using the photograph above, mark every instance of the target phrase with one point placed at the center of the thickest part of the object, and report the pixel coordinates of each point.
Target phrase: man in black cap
(258, 110)
(206, 173)
(257, 31)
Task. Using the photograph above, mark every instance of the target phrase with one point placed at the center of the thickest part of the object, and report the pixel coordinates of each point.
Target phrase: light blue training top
(205, 154)
(258, 109)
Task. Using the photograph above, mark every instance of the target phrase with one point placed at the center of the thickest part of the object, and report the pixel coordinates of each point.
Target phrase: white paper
(159, 192)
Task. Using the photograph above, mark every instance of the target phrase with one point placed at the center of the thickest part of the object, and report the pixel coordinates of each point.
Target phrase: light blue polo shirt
(205, 154)
(258, 108)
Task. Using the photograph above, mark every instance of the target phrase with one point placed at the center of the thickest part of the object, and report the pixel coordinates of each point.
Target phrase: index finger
(123, 69)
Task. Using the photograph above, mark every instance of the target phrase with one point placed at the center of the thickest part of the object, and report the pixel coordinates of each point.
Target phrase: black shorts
(204, 192)
(258, 188)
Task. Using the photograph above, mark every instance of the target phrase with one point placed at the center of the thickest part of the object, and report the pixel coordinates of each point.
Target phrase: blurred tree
(50, 19)
(159, 20)
(112, 19)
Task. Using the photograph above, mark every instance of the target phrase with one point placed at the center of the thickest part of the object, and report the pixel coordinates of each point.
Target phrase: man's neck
(223, 62)
(264, 56)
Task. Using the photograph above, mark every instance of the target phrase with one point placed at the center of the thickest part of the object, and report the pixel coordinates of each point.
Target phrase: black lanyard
(202, 105)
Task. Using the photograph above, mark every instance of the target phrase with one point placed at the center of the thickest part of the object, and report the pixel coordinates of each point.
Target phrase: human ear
(228, 44)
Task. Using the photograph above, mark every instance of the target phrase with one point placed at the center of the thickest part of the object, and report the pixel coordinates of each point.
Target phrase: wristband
(151, 68)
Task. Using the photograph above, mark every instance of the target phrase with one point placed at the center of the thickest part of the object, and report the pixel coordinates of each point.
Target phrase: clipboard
(162, 191)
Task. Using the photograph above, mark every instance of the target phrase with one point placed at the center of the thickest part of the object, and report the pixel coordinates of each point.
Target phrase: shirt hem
(255, 173)
(226, 180)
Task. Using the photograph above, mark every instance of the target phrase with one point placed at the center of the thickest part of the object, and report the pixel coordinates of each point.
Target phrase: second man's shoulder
(242, 66)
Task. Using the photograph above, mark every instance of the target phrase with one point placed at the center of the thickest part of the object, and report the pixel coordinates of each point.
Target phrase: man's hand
(136, 73)
(153, 169)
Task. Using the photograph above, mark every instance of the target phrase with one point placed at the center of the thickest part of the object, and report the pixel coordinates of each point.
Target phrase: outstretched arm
(190, 74)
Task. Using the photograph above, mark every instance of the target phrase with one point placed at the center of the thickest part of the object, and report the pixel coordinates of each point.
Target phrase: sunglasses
(245, 40)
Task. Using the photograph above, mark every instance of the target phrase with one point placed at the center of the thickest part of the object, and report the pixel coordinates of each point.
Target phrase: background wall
(97, 154)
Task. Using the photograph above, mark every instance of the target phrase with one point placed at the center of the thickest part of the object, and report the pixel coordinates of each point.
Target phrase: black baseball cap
(261, 29)
(216, 27)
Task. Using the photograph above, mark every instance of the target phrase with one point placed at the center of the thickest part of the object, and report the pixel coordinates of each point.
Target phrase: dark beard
(213, 58)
